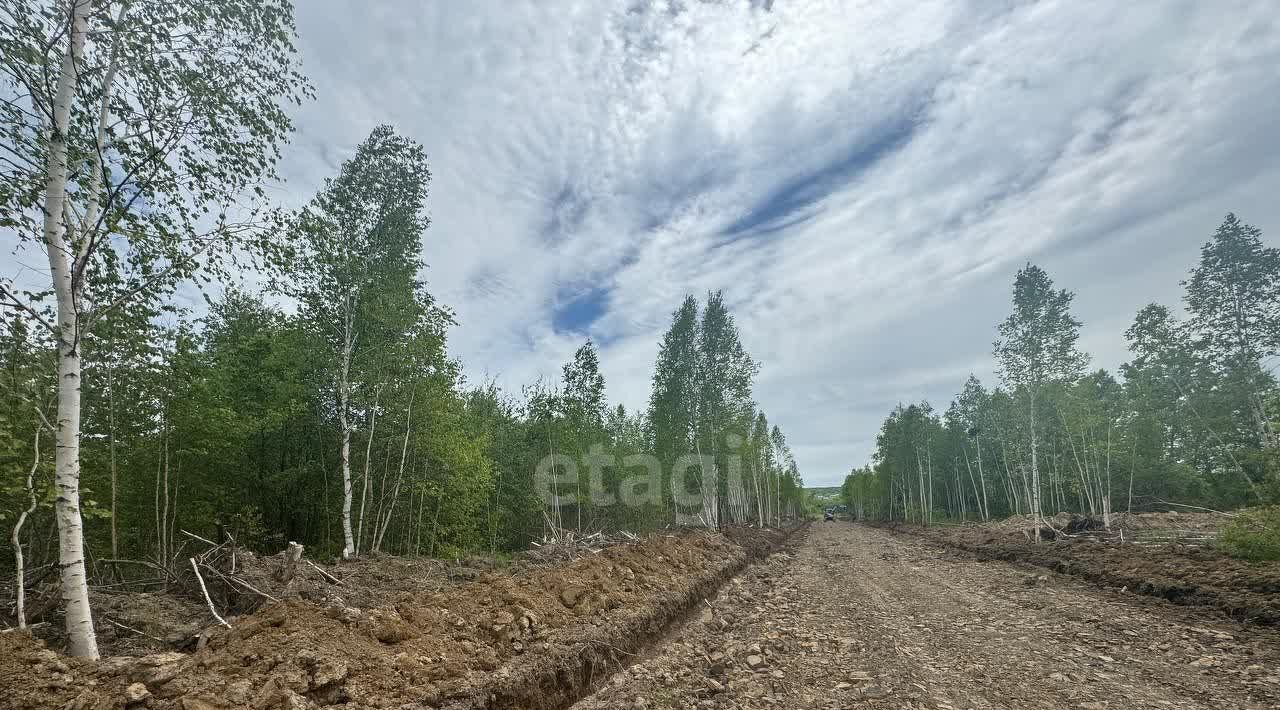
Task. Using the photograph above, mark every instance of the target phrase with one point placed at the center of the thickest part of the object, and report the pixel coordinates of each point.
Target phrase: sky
(862, 178)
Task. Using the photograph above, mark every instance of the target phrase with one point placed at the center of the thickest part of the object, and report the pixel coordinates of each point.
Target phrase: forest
(1187, 422)
(151, 393)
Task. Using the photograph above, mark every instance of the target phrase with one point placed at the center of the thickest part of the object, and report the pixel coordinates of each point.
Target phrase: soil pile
(526, 637)
(167, 611)
(1168, 524)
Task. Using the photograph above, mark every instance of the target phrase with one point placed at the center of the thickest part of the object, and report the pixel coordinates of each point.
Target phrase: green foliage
(1188, 421)
(176, 123)
(232, 424)
(1037, 342)
(673, 398)
(1254, 534)
(701, 403)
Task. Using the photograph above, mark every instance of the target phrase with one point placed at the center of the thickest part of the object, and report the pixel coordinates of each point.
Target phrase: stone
(529, 623)
(136, 693)
(327, 672)
(570, 596)
(154, 669)
(755, 661)
(240, 692)
(874, 692)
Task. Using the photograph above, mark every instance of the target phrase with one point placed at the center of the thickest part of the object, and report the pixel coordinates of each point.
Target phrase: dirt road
(854, 617)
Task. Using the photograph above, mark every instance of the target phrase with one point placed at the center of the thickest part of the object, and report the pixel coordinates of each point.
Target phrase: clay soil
(527, 636)
(142, 612)
(1191, 575)
(858, 617)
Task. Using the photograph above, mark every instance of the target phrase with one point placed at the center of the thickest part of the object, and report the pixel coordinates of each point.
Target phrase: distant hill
(825, 493)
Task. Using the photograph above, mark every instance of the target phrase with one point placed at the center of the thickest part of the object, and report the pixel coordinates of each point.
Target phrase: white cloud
(922, 152)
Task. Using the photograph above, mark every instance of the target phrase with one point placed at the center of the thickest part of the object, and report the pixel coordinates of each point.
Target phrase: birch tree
(1036, 346)
(723, 372)
(125, 128)
(673, 397)
(357, 273)
(1233, 297)
(972, 410)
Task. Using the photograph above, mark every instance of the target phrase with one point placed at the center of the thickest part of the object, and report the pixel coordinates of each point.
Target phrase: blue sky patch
(579, 311)
(803, 191)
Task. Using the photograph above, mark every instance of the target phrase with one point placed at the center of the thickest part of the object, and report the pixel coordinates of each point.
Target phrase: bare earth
(854, 617)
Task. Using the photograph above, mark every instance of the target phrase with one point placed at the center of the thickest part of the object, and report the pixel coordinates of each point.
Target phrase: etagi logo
(693, 481)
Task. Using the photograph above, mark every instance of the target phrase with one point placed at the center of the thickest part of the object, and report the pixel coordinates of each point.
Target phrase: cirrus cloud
(860, 177)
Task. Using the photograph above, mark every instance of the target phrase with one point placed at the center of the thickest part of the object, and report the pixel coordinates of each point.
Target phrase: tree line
(323, 408)
(1188, 420)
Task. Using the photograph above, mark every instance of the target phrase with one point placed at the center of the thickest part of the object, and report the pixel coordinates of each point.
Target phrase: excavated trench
(537, 639)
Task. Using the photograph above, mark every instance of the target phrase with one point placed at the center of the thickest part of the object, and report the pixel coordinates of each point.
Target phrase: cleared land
(861, 617)
(839, 616)
(535, 635)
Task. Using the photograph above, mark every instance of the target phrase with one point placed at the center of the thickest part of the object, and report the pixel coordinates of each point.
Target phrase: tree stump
(289, 565)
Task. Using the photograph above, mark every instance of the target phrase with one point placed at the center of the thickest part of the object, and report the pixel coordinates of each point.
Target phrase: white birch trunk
(404, 452)
(81, 640)
(1106, 493)
(1082, 468)
(16, 536)
(111, 436)
(986, 505)
(1035, 469)
(344, 425)
(928, 513)
(920, 478)
(164, 511)
(368, 455)
(759, 502)
(977, 499)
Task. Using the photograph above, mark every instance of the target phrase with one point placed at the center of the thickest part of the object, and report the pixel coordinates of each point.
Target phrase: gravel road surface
(856, 617)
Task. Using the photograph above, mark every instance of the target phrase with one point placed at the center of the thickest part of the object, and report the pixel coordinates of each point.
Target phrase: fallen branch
(236, 581)
(205, 590)
(250, 587)
(167, 574)
(1196, 507)
(29, 627)
(206, 541)
(332, 579)
(113, 622)
(129, 583)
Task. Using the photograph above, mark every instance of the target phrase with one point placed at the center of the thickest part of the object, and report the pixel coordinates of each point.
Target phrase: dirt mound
(1187, 522)
(762, 542)
(139, 615)
(1189, 575)
(529, 638)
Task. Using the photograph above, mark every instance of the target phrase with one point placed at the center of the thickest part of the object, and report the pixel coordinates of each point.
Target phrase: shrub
(1254, 534)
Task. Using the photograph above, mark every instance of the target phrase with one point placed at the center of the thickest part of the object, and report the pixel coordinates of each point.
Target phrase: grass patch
(1254, 534)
